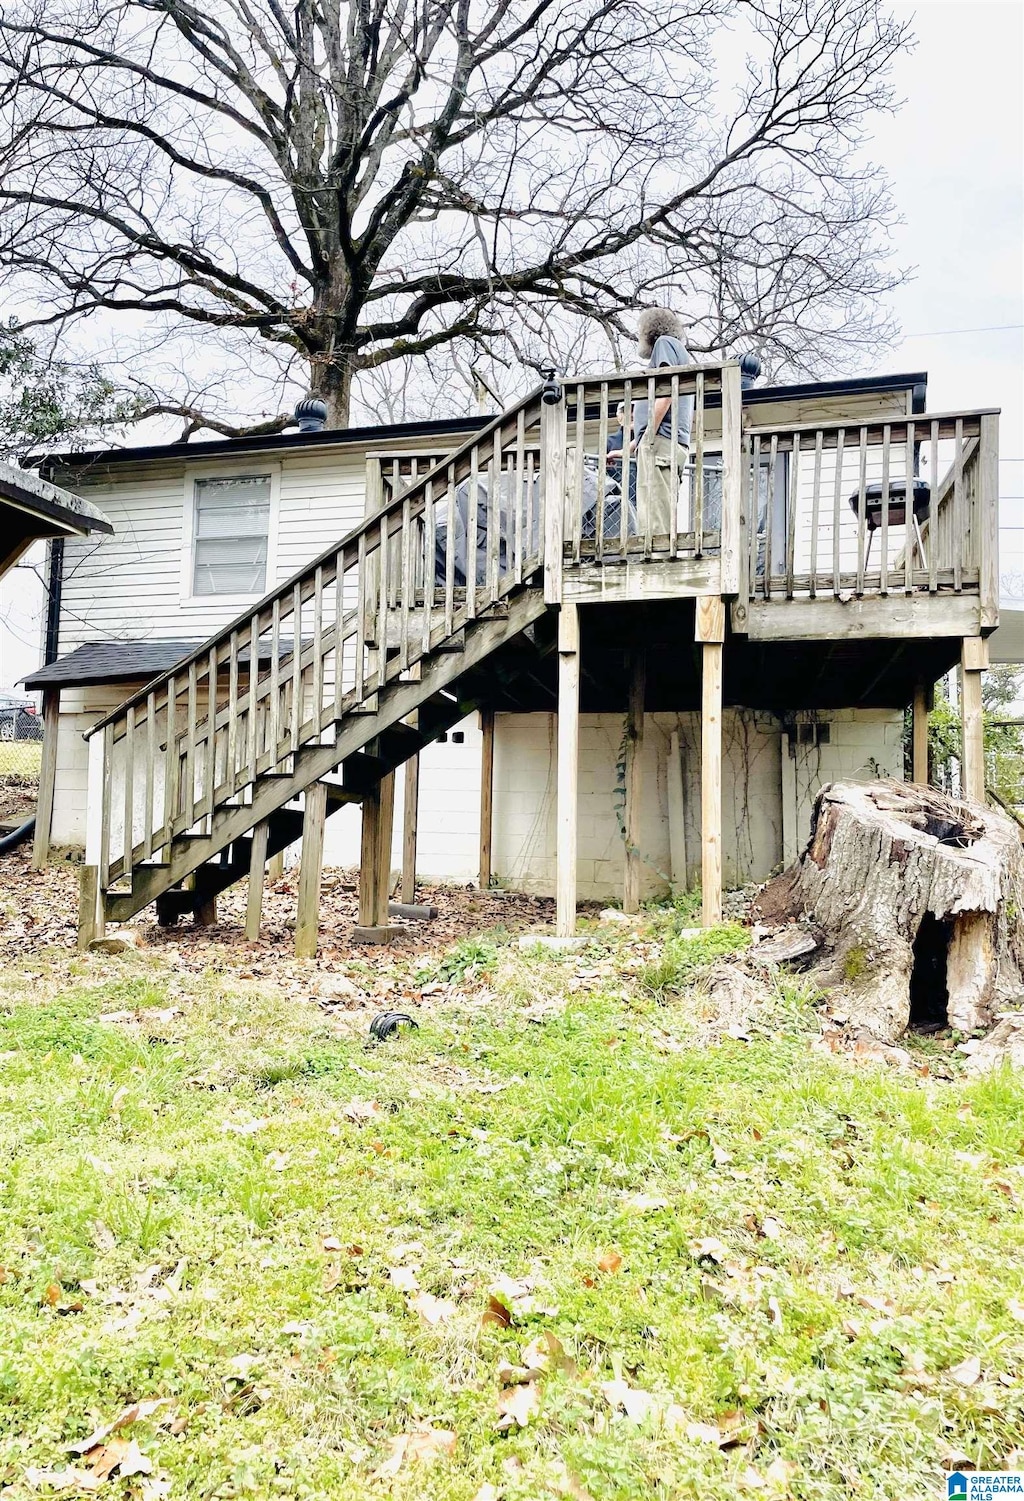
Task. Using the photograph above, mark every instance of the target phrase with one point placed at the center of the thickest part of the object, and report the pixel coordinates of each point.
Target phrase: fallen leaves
(633, 1401)
(967, 1372)
(517, 1405)
(422, 1446)
(107, 1455)
(432, 1310)
(126, 1417)
(611, 1261)
(403, 1279)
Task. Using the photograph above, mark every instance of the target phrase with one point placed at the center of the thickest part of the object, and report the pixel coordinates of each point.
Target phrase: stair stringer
(396, 701)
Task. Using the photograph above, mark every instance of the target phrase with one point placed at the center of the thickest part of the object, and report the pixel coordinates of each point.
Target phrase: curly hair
(652, 324)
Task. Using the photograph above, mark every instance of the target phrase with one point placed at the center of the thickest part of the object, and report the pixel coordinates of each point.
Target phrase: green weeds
(799, 1253)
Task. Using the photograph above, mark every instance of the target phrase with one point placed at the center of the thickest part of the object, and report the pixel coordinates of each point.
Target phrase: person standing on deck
(660, 461)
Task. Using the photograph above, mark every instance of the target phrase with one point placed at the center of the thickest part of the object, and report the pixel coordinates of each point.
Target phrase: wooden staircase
(339, 675)
(383, 642)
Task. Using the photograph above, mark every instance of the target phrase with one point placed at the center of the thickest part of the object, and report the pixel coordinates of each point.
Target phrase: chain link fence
(21, 753)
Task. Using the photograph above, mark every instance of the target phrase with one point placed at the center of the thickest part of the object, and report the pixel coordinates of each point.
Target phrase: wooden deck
(469, 573)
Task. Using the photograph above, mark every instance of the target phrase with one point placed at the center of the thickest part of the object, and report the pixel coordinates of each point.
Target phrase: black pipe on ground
(18, 836)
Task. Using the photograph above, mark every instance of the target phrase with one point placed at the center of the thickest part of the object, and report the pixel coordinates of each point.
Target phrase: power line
(945, 333)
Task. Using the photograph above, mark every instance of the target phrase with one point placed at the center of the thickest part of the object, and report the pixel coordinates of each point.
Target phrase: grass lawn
(552, 1243)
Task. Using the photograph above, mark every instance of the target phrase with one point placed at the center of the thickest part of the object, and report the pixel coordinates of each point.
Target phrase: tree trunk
(331, 379)
(916, 900)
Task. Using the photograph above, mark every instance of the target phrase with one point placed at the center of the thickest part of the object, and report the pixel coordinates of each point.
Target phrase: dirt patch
(40, 908)
(773, 905)
(18, 793)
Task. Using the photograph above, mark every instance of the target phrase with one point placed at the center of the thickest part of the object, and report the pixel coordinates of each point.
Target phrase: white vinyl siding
(232, 531)
(138, 583)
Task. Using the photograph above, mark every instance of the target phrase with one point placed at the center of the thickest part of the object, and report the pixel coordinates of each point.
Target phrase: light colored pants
(660, 466)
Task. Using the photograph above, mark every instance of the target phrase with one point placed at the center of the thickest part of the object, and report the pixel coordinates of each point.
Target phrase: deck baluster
(883, 563)
(697, 438)
(815, 513)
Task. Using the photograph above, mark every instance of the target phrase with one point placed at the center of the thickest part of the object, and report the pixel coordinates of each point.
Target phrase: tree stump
(917, 902)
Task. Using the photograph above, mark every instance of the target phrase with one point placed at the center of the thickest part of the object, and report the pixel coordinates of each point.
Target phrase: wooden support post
(90, 922)
(919, 735)
(368, 884)
(486, 794)
(375, 855)
(91, 915)
(988, 533)
(275, 867)
(568, 767)
(711, 635)
(676, 813)
(733, 534)
(410, 819)
(257, 869)
(385, 830)
(47, 777)
(634, 781)
(552, 494)
(307, 921)
(973, 661)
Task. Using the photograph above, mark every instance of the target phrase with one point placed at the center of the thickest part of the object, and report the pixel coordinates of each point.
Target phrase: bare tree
(353, 184)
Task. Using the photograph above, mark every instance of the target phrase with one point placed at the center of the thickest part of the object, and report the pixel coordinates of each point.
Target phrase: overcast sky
(955, 154)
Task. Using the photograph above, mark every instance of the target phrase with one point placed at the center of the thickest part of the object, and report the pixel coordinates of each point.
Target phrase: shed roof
(128, 661)
(110, 662)
(32, 508)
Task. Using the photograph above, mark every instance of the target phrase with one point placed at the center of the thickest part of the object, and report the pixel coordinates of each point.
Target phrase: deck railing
(852, 510)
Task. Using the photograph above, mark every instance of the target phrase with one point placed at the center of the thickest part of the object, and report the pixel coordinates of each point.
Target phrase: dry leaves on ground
(423, 1446)
(517, 1405)
(432, 1310)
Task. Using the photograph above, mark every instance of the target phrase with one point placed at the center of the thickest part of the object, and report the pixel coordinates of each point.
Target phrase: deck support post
(552, 491)
(486, 795)
(47, 778)
(634, 781)
(711, 635)
(257, 870)
(410, 822)
(919, 736)
(568, 768)
(973, 661)
(385, 829)
(375, 862)
(275, 867)
(307, 922)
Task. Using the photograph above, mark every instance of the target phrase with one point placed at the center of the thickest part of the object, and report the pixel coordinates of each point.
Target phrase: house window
(232, 526)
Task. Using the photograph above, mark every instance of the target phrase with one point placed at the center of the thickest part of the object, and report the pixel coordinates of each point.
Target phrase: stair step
(380, 739)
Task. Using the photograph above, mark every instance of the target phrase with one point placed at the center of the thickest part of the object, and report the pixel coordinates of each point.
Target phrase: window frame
(235, 470)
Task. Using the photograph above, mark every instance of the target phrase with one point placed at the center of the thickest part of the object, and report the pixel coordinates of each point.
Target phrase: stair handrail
(369, 523)
(414, 493)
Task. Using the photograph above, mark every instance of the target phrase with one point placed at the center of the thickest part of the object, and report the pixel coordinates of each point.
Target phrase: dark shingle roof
(125, 661)
(110, 662)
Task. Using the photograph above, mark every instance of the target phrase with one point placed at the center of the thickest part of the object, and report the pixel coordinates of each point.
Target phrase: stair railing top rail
(597, 392)
(456, 463)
